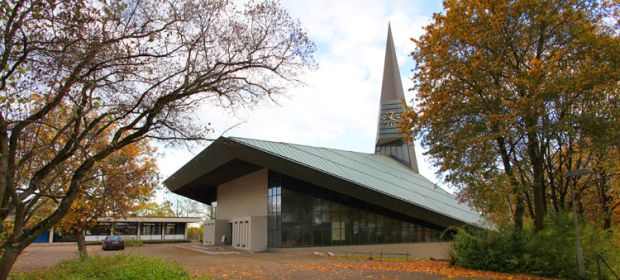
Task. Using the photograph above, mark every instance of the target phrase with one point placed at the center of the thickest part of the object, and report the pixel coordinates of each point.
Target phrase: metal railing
(372, 255)
(599, 259)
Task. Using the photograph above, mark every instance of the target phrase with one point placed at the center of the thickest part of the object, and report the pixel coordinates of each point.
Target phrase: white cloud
(338, 108)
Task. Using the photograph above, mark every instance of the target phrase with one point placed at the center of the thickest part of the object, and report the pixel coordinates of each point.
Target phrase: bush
(112, 267)
(549, 252)
(134, 243)
(195, 233)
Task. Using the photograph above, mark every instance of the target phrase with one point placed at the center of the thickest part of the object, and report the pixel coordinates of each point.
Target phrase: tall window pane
(302, 214)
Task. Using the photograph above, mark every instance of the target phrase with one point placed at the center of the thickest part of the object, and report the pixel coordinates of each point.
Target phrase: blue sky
(350, 38)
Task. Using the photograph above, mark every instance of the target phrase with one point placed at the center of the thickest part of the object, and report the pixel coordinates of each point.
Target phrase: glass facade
(100, 229)
(302, 214)
(174, 228)
(150, 228)
(274, 217)
(127, 228)
(61, 235)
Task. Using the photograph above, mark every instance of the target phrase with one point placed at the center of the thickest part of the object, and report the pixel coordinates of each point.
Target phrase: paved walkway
(252, 266)
(213, 250)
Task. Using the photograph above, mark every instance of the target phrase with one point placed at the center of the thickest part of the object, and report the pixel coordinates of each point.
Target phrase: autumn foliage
(118, 187)
(89, 78)
(512, 95)
(114, 187)
(424, 266)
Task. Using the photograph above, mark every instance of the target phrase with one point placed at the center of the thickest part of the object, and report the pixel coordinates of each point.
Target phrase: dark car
(113, 242)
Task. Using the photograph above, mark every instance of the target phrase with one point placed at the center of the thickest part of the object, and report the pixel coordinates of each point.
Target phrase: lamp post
(575, 174)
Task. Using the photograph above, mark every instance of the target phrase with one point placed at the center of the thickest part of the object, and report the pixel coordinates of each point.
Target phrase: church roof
(374, 178)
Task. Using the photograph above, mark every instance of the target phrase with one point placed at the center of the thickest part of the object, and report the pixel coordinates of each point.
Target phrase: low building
(139, 228)
(276, 196)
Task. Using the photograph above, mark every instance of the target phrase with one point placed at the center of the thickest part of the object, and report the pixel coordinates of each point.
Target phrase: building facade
(139, 228)
(281, 196)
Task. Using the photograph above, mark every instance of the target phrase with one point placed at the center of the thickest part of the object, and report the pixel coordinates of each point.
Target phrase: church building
(276, 196)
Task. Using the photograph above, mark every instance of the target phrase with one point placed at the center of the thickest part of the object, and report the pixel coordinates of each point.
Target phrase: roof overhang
(226, 159)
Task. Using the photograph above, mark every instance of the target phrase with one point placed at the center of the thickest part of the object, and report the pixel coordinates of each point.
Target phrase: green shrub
(112, 267)
(134, 243)
(549, 252)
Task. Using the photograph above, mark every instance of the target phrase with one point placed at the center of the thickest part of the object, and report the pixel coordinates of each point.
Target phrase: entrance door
(43, 238)
(229, 234)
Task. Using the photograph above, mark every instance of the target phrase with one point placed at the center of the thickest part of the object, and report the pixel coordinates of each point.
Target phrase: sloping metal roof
(377, 172)
(376, 179)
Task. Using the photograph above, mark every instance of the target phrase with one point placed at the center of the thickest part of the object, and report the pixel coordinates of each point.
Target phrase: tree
(118, 186)
(133, 70)
(181, 207)
(185, 207)
(112, 188)
(508, 90)
(600, 192)
(153, 209)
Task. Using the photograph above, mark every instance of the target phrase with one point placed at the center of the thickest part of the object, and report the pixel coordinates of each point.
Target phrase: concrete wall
(243, 200)
(435, 250)
(250, 233)
(258, 242)
(208, 233)
(150, 237)
(213, 232)
(244, 196)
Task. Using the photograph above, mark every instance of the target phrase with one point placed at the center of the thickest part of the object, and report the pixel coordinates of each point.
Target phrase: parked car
(113, 242)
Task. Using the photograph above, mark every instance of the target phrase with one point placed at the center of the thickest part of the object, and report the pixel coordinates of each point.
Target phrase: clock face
(390, 118)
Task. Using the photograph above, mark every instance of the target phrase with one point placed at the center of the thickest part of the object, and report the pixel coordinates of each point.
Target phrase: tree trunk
(81, 242)
(604, 199)
(4, 167)
(530, 208)
(607, 221)
(536, 161)
(519, 205)
(519, 211)
(7, 259)
(539, 208)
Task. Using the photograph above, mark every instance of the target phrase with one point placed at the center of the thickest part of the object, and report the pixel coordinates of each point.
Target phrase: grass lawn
(112, 267)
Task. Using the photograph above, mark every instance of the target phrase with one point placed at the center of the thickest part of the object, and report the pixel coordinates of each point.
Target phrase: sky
(339, 103)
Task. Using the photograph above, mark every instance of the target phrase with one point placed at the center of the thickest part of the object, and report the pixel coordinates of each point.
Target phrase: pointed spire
(392, 86)
(392, 104)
